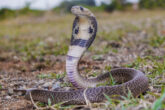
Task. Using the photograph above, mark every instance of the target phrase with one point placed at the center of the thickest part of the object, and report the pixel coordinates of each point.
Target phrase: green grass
(0, 86)
(33, 40)
(8, 13)
(136, 63)
(159, 104)
(157, 41)
(110, 82)
(51, 76)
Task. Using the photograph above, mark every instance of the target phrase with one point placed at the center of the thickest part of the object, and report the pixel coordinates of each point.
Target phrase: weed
(108, 68)
(51, 76)
(158, 104)
(136, 63)
(110, 82)
(0, 86)
(157, 41)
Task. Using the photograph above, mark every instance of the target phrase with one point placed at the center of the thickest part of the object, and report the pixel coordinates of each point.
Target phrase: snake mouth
(75, 10)
(81, 11)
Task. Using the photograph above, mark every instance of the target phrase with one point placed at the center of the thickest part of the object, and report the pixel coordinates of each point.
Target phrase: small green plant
(108, 98)
(51, 76)
(159, 68)
(40, 104)
(59, 106)
(137, 63)
(108, 68)
(109, 81)
(60, 49)
(112, 80)
(0, 86)
(43, 76)
(49, 102)
(129, 95)
(110, 102)
(157, 41)
(158, 104)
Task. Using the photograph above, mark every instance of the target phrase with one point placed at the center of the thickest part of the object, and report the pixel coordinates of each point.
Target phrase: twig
(86, 99)
(33, 102)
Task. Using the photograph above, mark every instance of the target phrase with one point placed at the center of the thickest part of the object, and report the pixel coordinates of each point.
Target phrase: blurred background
(42, 21)
(35, 35)
(16, 7)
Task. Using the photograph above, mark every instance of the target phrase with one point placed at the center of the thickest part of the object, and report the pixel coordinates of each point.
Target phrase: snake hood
(83, 31)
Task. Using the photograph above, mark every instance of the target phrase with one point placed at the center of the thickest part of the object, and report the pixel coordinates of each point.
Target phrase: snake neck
(72, 61)
(72, 72)
(83, 34)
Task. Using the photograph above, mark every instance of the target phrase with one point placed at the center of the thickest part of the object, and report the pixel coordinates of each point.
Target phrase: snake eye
(76, 31)
(90, 30)
(81, 8)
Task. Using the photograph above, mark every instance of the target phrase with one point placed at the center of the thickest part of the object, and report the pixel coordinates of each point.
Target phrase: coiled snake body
(84, 32)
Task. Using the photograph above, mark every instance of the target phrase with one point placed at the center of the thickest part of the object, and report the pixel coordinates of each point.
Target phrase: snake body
(84, 32)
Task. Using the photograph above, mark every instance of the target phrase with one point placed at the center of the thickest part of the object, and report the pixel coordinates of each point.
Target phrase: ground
(33, 49)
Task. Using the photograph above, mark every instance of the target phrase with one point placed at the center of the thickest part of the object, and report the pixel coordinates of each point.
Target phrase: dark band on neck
(80, 42)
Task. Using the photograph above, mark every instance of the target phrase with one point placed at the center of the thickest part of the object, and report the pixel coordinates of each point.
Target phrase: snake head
(81, 11)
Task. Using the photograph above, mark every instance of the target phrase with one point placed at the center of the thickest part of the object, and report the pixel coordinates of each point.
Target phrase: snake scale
(83, 34)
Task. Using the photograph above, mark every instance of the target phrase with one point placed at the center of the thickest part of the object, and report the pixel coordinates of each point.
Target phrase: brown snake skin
(129, 79)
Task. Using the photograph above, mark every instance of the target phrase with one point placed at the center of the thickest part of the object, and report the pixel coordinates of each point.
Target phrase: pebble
(7, 97)
(99, 57)
(56, 85)
(67, 88)
(66, 79)
(16, 59)
(47, 84)
(41, 82)
(10, 91)
(3, 93)
(96, 67)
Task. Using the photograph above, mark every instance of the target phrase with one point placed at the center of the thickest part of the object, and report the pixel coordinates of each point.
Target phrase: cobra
(83, 34)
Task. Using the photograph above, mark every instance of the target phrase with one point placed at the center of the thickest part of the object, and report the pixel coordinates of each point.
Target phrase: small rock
(41, 82)
(67, 88)
(56, 85)
(15, 58)
(3, 93)
(48, 84)
(96, 67)
(66, 79)
(98, 57)
(11, 85)
(7, 97)
(114, 44)
(20, 93)
(10, 91)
